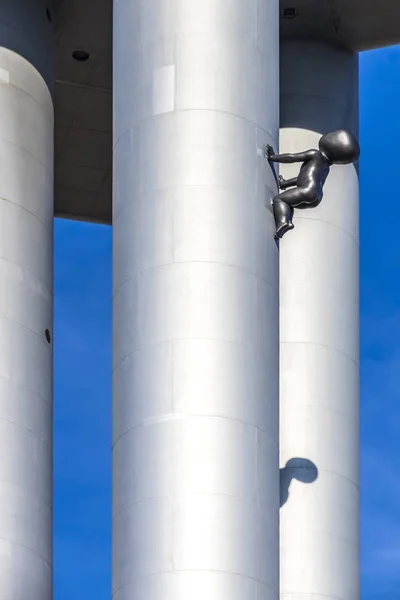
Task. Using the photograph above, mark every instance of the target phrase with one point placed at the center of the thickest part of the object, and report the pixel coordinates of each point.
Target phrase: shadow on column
(302, 469)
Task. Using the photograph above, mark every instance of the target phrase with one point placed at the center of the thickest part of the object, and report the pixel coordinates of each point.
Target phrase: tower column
(195, 407)
(319, 373)
(26, 300)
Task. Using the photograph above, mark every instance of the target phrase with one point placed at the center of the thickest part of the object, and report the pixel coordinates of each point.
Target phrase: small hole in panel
(80, 55)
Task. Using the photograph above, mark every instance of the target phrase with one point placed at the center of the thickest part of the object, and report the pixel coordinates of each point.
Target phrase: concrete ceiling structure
(83, 90)
(354, 24)
(83, 110)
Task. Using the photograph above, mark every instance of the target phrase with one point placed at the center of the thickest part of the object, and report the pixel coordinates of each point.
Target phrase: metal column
(26, 300)
(195, 422)
(319, 301)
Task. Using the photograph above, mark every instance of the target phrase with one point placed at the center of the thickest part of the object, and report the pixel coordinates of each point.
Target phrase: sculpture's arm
(292, 158)
(286, 183)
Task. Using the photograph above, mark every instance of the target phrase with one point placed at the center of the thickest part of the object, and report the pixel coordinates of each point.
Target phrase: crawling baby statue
(336, 148)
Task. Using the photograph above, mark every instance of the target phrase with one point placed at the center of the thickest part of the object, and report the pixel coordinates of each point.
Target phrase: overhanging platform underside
(83, 90)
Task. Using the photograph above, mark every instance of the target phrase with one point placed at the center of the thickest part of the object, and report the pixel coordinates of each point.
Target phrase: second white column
(319, 405)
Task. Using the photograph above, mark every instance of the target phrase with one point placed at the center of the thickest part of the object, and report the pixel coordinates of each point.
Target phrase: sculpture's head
(340, 147)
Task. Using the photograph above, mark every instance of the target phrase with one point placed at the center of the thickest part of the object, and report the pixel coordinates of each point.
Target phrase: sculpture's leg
(308, 205)
(283, 214)
(287, 183)
(283, 209)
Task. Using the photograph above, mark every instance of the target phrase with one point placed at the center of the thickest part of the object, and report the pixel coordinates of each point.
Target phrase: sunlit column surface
(195, 425)
(319, 296)
(26, 282)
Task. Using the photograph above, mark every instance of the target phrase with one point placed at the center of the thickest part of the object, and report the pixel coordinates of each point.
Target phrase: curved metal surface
(319, 370)
(195, 407)
(336, 148)
(26, 311)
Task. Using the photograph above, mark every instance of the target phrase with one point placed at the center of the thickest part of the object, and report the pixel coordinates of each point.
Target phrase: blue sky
(82, 413)
(83, 369)
(380, 326)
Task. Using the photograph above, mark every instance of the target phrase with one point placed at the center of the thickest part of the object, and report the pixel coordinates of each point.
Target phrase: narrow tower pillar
(26, 300)
(195, 408)
(319, 302)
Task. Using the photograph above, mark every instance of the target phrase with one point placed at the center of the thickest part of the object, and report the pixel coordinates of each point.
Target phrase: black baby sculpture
(336, 148)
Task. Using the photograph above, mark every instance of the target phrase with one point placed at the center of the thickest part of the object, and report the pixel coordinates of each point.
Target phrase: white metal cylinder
(319, 372)
(195, 408)
(26, 302)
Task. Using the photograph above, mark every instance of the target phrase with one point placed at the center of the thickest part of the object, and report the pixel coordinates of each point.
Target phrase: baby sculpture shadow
(301, 469)
(336, 148)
